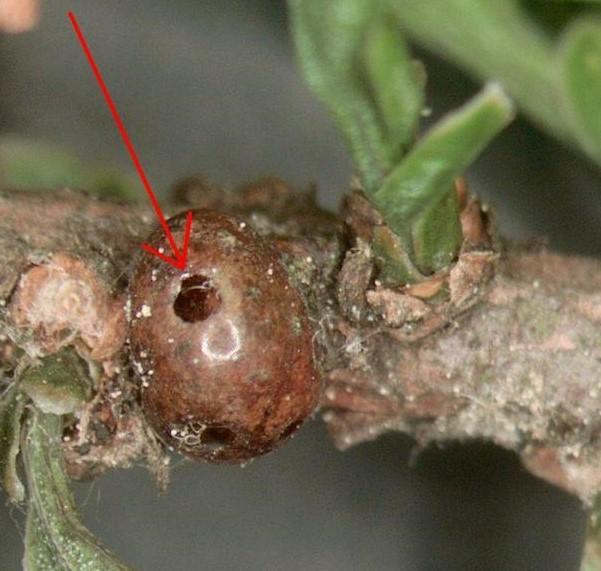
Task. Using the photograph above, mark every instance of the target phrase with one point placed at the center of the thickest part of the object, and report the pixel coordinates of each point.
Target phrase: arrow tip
(179, 259)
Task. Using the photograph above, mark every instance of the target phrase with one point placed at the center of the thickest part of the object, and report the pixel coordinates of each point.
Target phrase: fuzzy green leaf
(55, 540)
(502, 41)
(427, 173)
(12, 404)
(58, 384)
(493, 40)
(328, 35)
(343, 46)
(580, 66)
(395, 81)
(40, 554)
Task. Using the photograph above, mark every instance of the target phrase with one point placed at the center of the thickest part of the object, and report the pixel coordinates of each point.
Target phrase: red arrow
(179, 256)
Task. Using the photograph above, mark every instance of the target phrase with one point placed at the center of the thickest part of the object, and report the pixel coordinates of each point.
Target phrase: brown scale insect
(223, 350)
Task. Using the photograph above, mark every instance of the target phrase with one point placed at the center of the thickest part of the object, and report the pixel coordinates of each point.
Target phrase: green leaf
(393, 259)
(25, 164)
(55, 540)
(12, 404)
(504, 41)
(109, 183)
(554, 15)
(32, 165)
(409, 195)
(430, 169)
(395, 81)
(580, 73)
(40, 554)
(492, 40)
(58, 384)
(328, 35)
(437, 234)
(340, 59)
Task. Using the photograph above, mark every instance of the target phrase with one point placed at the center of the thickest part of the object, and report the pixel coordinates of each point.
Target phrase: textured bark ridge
(505, 345)
(521, 368)
(64, 262)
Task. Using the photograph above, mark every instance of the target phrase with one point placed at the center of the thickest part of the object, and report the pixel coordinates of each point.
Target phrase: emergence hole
(217, 436)
(197, 299)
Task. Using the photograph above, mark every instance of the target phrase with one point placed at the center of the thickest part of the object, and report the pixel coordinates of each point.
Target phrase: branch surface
(504, 346)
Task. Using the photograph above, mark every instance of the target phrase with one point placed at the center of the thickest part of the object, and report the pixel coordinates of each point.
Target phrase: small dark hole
(197, 299)
(217, 436)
